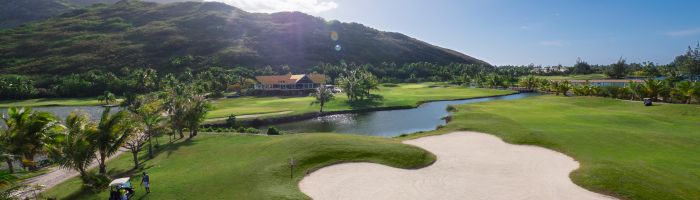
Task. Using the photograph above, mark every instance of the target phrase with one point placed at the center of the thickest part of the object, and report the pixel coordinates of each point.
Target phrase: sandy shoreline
(469, 165)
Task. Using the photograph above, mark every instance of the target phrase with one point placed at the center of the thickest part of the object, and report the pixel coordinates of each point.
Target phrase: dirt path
(469, 165)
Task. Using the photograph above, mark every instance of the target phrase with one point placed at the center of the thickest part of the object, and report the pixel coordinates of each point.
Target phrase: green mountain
(170, 37)
(14, 13)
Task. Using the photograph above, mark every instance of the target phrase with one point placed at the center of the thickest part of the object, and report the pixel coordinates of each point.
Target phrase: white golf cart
(120, 187)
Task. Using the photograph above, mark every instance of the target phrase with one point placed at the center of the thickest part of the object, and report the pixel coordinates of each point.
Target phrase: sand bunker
(470, 165)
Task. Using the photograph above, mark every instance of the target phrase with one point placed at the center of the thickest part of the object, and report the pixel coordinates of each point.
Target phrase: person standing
(146, 182)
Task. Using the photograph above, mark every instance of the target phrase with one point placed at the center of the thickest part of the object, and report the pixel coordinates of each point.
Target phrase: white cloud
(270, 6)
(683, 33)
(554, 43)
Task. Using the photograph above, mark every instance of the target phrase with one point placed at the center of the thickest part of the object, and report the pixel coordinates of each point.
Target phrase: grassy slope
(51, 102)
(403, 95)
(625, 149)
(576, 77)
(251, 167)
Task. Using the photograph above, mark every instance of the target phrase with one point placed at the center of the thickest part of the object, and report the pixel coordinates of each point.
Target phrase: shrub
(96, 182)
(231, 120)
(451, 108)
(272, 131)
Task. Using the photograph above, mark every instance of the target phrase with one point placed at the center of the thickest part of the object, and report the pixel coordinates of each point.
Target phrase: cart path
(57, 175)
(469, 165)
(252, 115)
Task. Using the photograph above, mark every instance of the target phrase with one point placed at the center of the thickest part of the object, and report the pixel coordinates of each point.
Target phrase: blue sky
(520, 32)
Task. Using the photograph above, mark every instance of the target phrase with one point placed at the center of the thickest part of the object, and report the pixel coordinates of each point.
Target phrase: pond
(61, 112)
(389, 123)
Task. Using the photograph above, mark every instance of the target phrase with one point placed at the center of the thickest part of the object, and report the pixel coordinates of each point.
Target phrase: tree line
(75, 142)
(667, 90)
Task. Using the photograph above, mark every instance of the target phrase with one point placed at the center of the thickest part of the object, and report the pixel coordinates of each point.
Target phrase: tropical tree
(543, 85)
(196, 111)
(73, 149)
(28, 132)
(135, 144)
(112, 132)
(322, 95)
(6, 150)
(617, 70)
(685, 91)
(529, 82)
(108, 98)
(358, 83)
(690, 62)
(150, 114)
(563, 87)
(653, 88)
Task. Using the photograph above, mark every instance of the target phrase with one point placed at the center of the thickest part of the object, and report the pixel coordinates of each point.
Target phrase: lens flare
(334, 36)
(338, 47)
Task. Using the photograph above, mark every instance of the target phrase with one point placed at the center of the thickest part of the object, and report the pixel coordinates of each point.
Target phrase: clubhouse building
(288, 84)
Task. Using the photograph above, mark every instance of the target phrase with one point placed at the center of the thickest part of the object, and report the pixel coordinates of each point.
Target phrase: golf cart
(120, 186)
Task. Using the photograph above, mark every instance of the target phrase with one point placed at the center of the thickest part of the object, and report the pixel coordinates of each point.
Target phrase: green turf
(250, 167)
(625, 149)
(51, 102)
(409, 95)
(576, 77)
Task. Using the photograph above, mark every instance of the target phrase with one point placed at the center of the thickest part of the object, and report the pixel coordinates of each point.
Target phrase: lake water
(61, 112)
(390, 123)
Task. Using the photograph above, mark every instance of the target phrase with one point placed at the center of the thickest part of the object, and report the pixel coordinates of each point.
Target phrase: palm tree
(685, 91)
(112, 132)
(73, 149)
(197, 109)
(27, 133)
(529, 82)
(149, 111)
(653, 88)
(322, 95)
(108, 98)
(563, 87)
(6, 150)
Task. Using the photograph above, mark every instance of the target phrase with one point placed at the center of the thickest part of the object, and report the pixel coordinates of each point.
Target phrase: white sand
(470, 165)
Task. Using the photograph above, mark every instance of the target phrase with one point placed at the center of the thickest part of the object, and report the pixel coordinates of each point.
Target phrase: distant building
(606, 82)
(290, 82)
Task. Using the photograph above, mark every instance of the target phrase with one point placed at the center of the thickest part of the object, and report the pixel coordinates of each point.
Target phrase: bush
(96, 182)
(272, 131)
(231, 120)
(390, 85)
(451, 108)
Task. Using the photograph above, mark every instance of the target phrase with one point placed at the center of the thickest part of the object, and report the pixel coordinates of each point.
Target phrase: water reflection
(386, 123)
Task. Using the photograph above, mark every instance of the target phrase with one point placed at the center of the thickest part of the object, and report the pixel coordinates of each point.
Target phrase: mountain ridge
(176, 35)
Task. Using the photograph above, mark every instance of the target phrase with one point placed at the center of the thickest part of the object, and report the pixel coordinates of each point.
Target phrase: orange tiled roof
(289, 78)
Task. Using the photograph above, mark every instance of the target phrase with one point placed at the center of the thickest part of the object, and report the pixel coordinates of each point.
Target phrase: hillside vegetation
(171, 37)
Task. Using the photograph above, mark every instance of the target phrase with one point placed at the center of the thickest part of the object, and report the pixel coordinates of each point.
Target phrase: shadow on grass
(374, 100)
(134, 173)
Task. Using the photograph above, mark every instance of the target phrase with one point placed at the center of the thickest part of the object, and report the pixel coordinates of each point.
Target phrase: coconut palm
(685, 91)
(6, 150)
(149, 110)
(108, 98)
(529, 82)
(196, 112)
(563, 87)
(322, 96)
(112, 132)
(28, 132)
(653, 88)
(73, 149)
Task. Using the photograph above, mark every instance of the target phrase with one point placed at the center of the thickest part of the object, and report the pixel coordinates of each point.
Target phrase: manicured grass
(250, 167)
(51, 102)
(625, 149)
(576, 77)
(408, 95)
